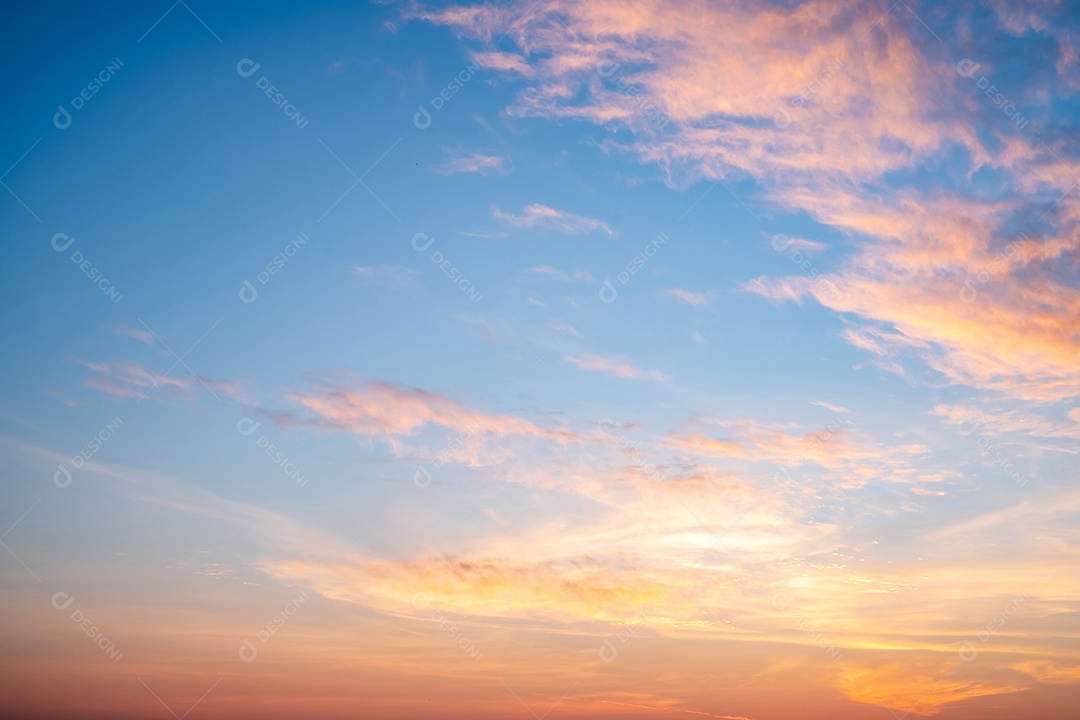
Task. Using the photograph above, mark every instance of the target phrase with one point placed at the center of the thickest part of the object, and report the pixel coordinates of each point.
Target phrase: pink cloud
(129, 379)
(614, 365)
(821, 102)
(549, 218)
(386, 410)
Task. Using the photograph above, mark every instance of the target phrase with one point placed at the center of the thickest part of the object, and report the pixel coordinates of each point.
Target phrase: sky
(550, 359)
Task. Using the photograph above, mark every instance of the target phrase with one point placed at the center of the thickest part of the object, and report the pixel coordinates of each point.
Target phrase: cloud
(548, 271)
(776, 290)
(505, 61)
(549, 218)
(616, 365)
(917, 686)
(830, 406)
(475, 163)
(784, 243)
(848, 458)
(970, 418)
(697, 299)
(486, 236)
(129, 379)
(833, 111)
(387, 411)
(143, 336)
(389, 276)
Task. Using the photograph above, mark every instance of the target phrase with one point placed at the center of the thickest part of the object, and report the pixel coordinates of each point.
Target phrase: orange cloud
(385, 410)
(834, 447)
(823, 103)
(915, 686)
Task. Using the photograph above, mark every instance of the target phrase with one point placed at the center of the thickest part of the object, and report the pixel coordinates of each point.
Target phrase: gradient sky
(546, 359)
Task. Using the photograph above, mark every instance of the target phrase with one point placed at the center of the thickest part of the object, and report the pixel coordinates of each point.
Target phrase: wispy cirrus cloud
(830, 406)
(511, 62)
(556, 273)
(144, 336)
(542, 216)
(691, 297)
(390, 276)
(130, 379)
(847, 456)
(475, 163)
(385, 410)
(616, 365)
(784, 243)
